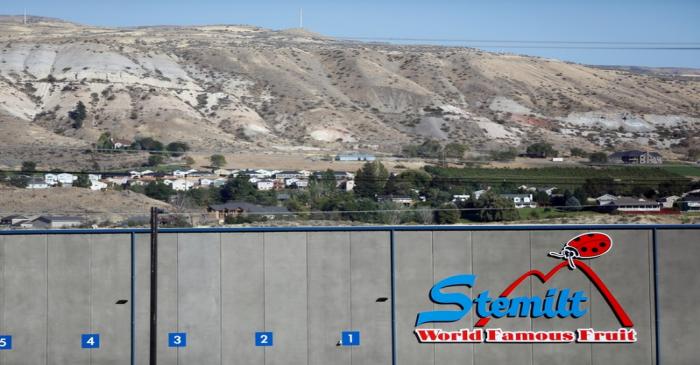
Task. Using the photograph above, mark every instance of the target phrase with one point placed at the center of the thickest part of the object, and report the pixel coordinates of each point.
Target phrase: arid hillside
(241, 88)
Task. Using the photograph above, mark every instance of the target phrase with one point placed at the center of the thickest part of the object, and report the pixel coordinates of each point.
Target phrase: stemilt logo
(556, 303)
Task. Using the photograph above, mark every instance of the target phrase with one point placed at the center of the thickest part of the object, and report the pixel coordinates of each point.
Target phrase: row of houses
(688, 202)
(41, 221)
(64, 180)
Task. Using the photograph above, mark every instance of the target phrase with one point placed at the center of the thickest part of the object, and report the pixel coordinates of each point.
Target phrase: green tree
(82, 182)
(598, 157)
(455, 150)
(578, 152)
(447, 214)
(177, 149)
(19, 181)
(78, 115)
(147, 144)
(407, 181)
(28, 166)
(508, 154)
(371, 179)
(159, 190)
(217, 160)
(693, 154)
(572, 204)
(542, 149)
(239, 188)
(155, 160)
(495, 208)
(189, 161)
(105, 142)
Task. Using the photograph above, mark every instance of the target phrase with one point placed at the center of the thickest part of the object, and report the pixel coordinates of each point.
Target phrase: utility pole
(301, 18)
(154, 286)
(25, 16)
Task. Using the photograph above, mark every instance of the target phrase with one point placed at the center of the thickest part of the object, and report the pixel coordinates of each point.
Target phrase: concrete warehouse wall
(307, 287)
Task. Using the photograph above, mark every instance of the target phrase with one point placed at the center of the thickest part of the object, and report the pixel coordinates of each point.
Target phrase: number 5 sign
(5, 342)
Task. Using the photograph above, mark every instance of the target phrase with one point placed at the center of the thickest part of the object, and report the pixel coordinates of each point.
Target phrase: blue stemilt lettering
(576, 300)
(457, 299)
(555, 303)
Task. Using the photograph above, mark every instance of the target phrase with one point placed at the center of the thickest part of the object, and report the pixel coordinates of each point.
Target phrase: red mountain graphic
(624, 319)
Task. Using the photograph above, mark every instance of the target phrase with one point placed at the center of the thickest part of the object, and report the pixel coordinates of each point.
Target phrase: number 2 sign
(263, 339)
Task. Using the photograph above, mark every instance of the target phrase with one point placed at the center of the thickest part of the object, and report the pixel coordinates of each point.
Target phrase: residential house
(205, 182)
(94, 177)
(635, 157)
(479, 193)
(265, 185)
(460, 198)
(182, 185)
(355, 157)
(406, 201)
(690, 203)
(51, 179)
(349, 185)
(283, 175)
(236, 208)
(220, 182)
(37, 183)
(223, 172)
(606, 199)
(635, 205)
(139, 174)
(51, 222)
(66, 179)
(96, 185)
(121, 143)
(184, 173)
(548, 190)
(13, 220)
(521, 200)
(668, 202)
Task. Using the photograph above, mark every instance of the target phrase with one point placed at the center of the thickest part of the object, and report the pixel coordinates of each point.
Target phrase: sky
(661, 21)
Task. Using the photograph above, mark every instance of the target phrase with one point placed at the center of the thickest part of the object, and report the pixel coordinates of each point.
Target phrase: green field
(562, 175)
(683, 170)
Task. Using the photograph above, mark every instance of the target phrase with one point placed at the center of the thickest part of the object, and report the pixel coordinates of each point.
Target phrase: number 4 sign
(90, 341)
(263, 339)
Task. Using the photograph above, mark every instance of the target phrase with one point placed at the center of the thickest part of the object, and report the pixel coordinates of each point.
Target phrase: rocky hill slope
(233, 88)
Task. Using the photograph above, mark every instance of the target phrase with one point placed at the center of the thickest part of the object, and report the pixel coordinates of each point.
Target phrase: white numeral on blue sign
(177, 339)
(90, 341)
(350, 338)
(263, 339)
(5, 342)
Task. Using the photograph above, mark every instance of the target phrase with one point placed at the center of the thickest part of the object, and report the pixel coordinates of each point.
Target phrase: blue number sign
(5, 342)
(350, 338)
(90, 341)
(177, 339)
(263, 339)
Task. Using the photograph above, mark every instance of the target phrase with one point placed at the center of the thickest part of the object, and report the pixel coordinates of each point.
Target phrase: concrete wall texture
(308, 286)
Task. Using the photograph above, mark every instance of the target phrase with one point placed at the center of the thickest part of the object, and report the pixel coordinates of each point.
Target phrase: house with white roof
(265, 185)
(66, 179)
(96, 185)
(37, 183)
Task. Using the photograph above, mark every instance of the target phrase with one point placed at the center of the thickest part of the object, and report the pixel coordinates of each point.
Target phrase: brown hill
(234, 88)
